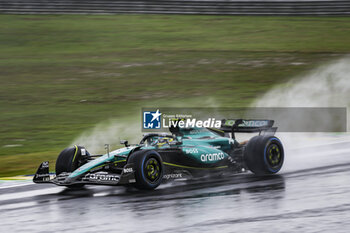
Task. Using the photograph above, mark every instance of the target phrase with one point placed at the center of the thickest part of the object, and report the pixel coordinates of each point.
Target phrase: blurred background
(79, 72)
(71, 69)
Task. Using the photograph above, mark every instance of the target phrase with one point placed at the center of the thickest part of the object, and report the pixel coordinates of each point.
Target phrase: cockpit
(154, 139)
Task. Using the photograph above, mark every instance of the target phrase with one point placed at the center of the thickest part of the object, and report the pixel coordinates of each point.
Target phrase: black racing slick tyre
(148, 167)
(68, 160)
(264, 155)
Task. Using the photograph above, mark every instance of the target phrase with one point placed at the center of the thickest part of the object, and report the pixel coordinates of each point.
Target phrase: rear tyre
(148, 167)
(264, 155)
(69, 160)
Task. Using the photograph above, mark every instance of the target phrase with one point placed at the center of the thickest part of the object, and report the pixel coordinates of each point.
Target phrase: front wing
(91, 178)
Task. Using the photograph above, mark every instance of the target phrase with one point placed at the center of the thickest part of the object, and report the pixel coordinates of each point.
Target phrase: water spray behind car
(325, 86)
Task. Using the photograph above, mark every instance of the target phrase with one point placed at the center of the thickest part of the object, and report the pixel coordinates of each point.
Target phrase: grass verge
(61, 75)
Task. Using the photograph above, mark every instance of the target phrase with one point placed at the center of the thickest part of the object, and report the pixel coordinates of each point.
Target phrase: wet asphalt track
(312, 194)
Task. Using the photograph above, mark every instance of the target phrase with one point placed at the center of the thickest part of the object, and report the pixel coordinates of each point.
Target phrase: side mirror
(234, 126)
(179, 140)
(125, 142)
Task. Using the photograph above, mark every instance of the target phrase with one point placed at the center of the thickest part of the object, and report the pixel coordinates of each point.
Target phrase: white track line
(320, 144)
(16, 185)
(20, 195)
(323, 153)
(18, 205)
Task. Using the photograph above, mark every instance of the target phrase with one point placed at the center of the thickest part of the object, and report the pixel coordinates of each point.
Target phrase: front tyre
(68, 160)
(264, 155)
(148, 167)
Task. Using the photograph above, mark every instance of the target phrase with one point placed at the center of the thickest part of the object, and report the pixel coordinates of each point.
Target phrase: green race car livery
(184, 153)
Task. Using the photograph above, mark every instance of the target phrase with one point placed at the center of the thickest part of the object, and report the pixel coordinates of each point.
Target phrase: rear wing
(247, 126)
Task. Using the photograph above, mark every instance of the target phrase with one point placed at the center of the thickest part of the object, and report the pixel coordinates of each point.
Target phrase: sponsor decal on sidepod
(212, 157)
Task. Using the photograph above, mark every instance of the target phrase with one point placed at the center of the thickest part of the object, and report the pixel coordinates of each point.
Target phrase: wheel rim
(273, 155)
(152, 170)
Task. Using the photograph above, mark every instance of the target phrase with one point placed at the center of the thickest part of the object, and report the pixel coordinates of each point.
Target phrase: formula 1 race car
(185, 153)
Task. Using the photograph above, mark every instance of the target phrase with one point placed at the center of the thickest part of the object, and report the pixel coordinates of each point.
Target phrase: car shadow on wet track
(184, 189)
